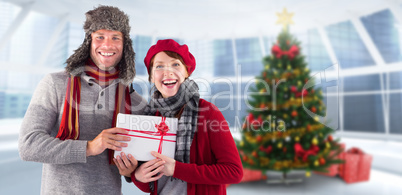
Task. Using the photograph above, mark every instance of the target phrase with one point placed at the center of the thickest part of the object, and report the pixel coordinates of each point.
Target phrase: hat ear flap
(127, 63)
(76, 62)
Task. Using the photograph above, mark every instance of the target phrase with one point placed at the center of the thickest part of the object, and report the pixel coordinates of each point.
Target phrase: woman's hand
(169, 165)
(150, 171)
(125, 164)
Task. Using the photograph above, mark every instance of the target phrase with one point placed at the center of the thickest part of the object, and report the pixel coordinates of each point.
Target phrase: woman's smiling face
(167, 74)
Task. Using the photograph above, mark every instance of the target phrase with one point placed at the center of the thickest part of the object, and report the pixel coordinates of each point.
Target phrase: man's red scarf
(69, 127)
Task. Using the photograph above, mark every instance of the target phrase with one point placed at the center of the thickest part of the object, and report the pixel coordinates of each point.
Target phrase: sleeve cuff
(128, 179)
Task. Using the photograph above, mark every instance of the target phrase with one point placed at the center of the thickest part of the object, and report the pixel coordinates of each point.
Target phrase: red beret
(171, 45)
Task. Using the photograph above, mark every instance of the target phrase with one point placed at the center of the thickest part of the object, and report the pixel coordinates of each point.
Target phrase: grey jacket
(66, 169)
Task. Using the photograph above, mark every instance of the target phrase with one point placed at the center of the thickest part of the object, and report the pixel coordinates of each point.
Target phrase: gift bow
(300, 152)
(162, 129)
(355, 151)
(291, 53)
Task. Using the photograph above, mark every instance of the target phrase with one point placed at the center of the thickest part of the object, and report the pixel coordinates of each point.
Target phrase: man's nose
(107, 42)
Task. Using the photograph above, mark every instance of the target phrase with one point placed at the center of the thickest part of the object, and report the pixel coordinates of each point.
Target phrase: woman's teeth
(169, 82)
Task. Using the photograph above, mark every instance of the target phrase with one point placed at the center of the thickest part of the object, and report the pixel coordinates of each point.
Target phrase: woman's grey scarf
(186, 96)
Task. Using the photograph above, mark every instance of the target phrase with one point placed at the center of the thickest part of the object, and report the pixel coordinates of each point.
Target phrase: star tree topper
(284, 18)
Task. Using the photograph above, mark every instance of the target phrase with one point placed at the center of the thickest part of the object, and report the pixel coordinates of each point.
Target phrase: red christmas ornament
(284, 149)
(293, 89)
(259, 138)
(313, 109)
(244, 158)
(322, 161)
(264, 74)
(330, 138)
(303, 93)
(308, 127)
(294, 113)
(254, 153)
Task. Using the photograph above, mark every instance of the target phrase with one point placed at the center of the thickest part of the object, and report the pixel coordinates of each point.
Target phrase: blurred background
(357, 43)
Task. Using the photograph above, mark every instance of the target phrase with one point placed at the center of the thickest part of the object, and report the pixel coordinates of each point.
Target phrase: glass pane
(363, 113)
(396, 113)
(31, 37)
(381, 27)
(348, 46)
(395, 80)
(141, 45)
(202, 50)
(223, 58)
(362, 83)
(316, 55)
(249, 56)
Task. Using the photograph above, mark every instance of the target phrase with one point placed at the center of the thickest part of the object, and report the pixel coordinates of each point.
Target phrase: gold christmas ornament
(314, 141)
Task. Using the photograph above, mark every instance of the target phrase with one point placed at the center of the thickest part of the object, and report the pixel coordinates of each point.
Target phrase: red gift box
(333, 170)
(357, 166)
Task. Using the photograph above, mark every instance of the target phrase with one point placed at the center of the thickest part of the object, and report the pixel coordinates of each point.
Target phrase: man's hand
(107, 139)
(125, 164)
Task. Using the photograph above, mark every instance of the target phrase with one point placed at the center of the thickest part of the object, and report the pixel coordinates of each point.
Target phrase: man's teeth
(106, 54)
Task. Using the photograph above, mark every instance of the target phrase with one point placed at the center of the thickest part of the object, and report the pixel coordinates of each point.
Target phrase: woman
(206, 157)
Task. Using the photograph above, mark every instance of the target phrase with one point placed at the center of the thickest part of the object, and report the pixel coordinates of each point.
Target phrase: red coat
(214, 159)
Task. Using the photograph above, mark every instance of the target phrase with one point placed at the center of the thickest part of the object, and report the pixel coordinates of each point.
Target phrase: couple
(70, 123)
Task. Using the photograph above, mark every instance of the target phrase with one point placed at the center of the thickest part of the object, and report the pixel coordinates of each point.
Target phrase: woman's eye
(176, 64)
(159, 66)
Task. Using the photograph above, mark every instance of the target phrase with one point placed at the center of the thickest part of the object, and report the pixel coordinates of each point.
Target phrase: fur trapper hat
(108, 18)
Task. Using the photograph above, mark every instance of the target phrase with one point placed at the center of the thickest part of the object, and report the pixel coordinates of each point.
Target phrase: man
(69, 123)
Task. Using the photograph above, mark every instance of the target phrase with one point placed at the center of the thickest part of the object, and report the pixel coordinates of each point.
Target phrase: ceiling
(206, 19)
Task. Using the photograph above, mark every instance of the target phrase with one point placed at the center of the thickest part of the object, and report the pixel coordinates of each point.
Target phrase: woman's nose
(168, 71)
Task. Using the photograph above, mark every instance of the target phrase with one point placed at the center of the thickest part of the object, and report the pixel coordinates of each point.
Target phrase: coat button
(102, 93)
(90, 84)
(100, 106)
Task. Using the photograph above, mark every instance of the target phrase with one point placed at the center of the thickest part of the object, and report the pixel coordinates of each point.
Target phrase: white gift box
(145, 136)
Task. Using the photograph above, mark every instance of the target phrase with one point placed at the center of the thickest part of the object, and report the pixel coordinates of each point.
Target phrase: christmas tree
(278, 134)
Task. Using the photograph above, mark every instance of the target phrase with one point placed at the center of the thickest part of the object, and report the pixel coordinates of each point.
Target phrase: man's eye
(116, 38)
(100, 37)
